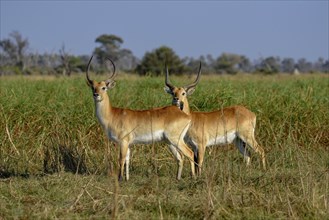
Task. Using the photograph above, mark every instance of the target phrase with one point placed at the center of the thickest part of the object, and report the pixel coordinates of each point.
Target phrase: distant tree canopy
(69, 63)
(232, 63)
(269, 65)
(154, 62)
(15, 48)
(110, 46)
(16, 58)
(288, 65)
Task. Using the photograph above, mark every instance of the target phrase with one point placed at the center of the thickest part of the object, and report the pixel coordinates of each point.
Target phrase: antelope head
(180, 94)
(99, 89)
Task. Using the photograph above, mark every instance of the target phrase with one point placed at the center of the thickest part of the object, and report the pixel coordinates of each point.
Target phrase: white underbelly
(149, 138)
(220, 140)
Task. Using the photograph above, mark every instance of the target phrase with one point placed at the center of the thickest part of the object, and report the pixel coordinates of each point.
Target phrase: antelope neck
(103, 109)
(186, 108)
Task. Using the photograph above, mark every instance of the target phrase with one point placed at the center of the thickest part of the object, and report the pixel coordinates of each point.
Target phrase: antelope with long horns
(235, 124)
(126, 127)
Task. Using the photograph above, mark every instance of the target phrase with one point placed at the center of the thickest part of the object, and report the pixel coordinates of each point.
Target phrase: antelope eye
(183, 93)
(104, 88)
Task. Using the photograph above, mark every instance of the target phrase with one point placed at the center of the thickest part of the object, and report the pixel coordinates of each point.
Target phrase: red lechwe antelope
(232, 124)
(126, 127)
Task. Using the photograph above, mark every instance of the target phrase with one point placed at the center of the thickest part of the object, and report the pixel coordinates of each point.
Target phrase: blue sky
(255, 29)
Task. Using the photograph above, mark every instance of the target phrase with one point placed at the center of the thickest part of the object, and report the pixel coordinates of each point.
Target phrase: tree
(70, 63)
(65, 58)
(326, 67)
(206, 61)
(269, 65)
(288, 65)
(244, 64)
(319, 65)
(231, 63)
(153, 62)
(15, 48)
(127, 61)
(111, 47)
(303, 65)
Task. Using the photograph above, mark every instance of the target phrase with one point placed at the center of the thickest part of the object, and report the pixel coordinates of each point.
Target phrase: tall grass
(55, 161)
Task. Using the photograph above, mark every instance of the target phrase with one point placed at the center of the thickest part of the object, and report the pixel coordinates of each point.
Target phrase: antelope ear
(189, 91)
(168, 90)
(110, 84)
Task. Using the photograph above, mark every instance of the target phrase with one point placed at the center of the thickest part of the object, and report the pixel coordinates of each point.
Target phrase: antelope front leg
(122, 160)
(179, 158)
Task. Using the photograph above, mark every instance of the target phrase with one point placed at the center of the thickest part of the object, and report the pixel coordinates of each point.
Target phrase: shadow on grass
(63, 158)
(57, 158)
(4, 174)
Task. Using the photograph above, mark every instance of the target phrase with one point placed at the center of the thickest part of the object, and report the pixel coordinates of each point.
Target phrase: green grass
(55, 159)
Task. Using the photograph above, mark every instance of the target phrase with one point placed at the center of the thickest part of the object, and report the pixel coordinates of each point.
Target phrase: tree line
(15, 58)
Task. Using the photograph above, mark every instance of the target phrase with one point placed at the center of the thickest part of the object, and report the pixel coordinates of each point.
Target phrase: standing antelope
(232, 124)
(126, 127)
